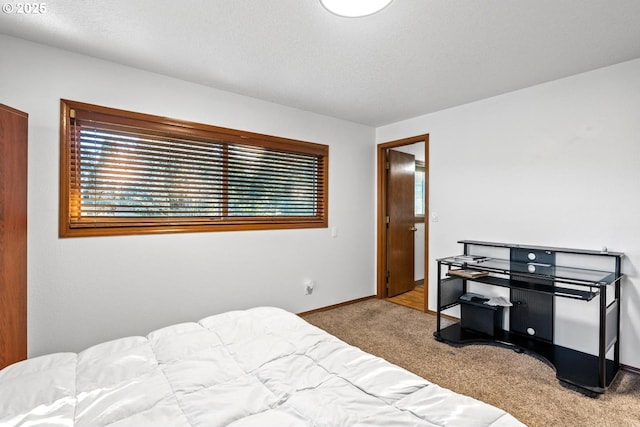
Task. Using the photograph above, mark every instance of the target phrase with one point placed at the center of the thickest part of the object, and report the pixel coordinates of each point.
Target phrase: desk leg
(602, 348)
(438, 300)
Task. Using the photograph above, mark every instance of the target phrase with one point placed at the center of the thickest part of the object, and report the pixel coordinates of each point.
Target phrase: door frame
(381, 264)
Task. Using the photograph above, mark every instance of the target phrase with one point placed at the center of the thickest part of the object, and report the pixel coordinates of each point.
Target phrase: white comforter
(260, 367)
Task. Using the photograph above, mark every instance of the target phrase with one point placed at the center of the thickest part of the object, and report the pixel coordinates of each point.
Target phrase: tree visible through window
(129, 173)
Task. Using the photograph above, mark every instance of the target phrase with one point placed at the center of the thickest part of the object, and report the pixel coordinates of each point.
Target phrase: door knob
(412, 228)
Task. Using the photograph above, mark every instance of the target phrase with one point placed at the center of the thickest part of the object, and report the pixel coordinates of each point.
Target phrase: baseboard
(330, 307)
(631, 369)
(445, 316)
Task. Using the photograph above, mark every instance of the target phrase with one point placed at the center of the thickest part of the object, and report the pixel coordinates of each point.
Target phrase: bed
(258, 367)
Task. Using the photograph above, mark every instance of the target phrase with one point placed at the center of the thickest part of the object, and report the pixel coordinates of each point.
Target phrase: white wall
(82, 291)
(557, 165)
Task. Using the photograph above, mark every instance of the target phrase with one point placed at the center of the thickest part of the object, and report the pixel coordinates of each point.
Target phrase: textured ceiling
(413, 58)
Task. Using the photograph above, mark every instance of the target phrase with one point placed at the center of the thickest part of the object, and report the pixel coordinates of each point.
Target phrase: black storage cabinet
(479, 317)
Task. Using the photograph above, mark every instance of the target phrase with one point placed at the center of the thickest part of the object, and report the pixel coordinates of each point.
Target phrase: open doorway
(402, 244)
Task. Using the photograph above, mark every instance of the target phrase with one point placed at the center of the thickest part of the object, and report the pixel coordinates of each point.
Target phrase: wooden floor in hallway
(412, 299)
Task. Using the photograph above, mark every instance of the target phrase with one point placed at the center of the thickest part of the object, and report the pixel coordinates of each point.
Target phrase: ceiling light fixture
(354, 8)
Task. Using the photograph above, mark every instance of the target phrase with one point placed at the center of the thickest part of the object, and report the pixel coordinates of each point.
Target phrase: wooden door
(13, 235)
(401, 227)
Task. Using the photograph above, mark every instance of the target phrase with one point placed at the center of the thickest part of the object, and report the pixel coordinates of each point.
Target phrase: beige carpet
(520, 384)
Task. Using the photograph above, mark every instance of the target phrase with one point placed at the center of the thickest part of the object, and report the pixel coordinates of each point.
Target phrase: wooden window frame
(167, 127)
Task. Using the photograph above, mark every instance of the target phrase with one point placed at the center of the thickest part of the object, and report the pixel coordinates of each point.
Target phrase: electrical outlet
(308, 287)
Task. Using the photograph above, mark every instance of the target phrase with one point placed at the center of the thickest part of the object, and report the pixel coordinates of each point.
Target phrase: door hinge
(387, 278)
(388, 219)
(388, 165)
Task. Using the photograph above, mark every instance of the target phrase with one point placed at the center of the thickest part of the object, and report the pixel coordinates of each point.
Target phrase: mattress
(258, 367)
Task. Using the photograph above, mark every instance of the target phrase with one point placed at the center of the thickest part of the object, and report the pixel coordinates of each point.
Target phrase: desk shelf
(537, 287)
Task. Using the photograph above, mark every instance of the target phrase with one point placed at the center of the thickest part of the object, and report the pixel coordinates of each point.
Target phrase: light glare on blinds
(123, 174)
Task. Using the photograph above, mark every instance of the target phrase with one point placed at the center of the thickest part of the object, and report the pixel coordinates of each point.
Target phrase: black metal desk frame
(535, 281)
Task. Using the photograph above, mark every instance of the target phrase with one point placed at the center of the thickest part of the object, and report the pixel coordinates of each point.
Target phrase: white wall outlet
(308, 287)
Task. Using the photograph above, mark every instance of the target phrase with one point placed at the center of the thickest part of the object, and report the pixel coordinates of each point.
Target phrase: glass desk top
(579, 276)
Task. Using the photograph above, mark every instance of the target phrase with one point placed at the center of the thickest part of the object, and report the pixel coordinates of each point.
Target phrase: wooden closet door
(13, 235)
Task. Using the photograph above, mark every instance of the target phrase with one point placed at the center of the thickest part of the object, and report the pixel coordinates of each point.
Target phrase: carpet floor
(522, 385)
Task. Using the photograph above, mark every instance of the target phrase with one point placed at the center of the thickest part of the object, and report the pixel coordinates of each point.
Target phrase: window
(419, 190)
(131, 173)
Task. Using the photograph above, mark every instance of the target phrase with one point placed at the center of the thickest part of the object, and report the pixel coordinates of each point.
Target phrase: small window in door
(419, 190)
